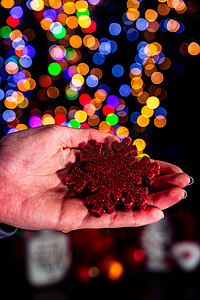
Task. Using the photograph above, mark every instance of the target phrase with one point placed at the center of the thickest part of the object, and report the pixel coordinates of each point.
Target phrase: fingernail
(185, 195)
(162, 215)
(191, 180)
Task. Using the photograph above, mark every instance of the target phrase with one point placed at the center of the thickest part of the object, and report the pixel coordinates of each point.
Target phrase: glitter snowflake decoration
(113, 177)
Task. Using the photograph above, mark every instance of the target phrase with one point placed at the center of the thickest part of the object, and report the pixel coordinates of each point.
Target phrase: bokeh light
(140, 144)
(115, 270)
(118, 70)
(115, 29)
(193, 48)
(85, 81)
(54, 69)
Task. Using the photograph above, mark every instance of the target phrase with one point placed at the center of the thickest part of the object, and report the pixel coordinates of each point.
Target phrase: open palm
(33, 166)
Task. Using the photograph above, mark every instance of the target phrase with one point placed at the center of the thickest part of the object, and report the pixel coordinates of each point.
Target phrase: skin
(33, 166)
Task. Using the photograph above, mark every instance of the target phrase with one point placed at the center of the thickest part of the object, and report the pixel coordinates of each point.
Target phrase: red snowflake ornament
(113, 177)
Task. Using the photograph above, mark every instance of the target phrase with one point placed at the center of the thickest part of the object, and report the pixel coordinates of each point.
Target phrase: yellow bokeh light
(24, 103)
(69, 8)
(81, 4)
(140, 144)
(80, 116)
(115, 270)
(143, 154)
(143, 121)
(47, 119)
(84, 21)
(37, 5)
(132, 14)
(153, 102)
(122, 131)
(147, 111)
(77, 80)
(194, 48)
(137, 83)
(151, 49)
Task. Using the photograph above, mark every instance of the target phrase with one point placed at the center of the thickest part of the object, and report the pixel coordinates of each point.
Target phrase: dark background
(180, 136)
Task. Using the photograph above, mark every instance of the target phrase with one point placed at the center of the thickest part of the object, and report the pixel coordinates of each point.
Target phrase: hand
(33, 166)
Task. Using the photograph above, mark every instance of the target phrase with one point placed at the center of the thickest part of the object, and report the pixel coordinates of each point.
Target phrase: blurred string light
(70, 28)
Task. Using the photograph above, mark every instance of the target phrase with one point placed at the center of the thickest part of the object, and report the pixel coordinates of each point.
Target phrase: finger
(123, 219)
(166, 198)
(77, 137)
(167, 181)
(167, 168)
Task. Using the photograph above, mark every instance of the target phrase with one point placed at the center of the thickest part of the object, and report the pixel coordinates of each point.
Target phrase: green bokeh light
(112, 119)
(54, 69)
(74, 123)
(71, 94)
(82, 13)
(5, 32)
(61, 34)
